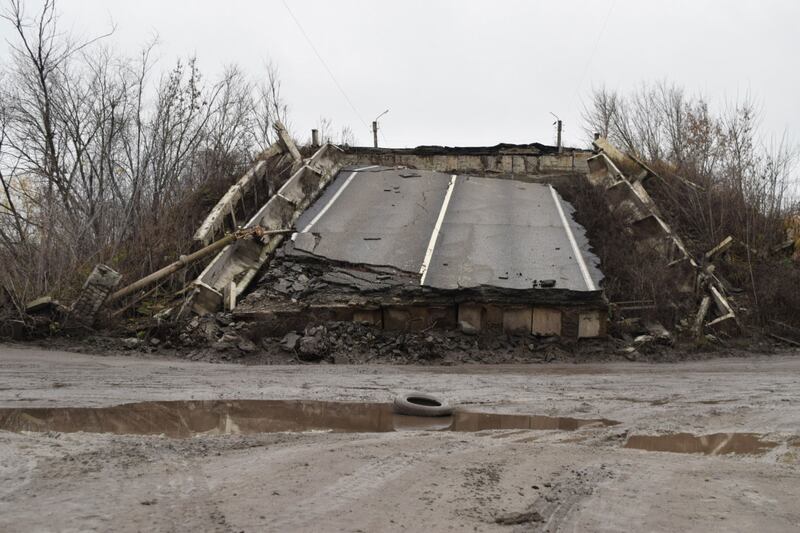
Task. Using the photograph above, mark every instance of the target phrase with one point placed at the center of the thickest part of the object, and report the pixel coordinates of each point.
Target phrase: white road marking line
(436, 228)
(575, 249)
(333, 199)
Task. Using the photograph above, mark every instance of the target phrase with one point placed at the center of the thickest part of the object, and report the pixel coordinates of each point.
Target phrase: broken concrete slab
(214, 222)
(287, 142)
(39, 305)
(456, 231)
(240, 261)
(290, 341)
(638, 211)
(97, 288)
(343, 285)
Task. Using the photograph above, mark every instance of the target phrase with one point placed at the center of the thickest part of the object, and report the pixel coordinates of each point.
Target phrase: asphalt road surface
(455, 231)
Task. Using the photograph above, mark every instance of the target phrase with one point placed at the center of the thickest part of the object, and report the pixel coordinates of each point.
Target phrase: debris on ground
(306, 308)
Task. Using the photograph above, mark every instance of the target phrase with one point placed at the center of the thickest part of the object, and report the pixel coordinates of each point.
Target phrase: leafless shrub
(631, 273)
(100, 162)
(327, 133)
(743, 183)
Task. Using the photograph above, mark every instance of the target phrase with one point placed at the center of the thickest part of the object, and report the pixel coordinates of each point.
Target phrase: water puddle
(714, 444)
(215, 417)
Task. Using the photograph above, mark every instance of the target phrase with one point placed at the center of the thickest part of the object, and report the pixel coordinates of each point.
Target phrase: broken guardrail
(255, 232)
(629, 200)
(223, 214)
(232, 270)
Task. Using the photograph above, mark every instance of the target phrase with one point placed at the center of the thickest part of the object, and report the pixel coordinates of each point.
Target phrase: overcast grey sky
(472, 72)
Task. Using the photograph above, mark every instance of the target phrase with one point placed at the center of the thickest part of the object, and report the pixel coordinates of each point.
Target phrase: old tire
(420, 404)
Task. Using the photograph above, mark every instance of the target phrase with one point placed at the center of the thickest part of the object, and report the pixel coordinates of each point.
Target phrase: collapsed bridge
(476, 239)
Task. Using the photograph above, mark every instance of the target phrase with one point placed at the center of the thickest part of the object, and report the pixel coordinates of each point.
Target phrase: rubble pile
(220, 337)
(295, 277)
(309, 308)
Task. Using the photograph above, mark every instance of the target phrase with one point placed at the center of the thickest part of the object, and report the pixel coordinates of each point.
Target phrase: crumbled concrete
(313, 345)
(95, 290)
(131, 342)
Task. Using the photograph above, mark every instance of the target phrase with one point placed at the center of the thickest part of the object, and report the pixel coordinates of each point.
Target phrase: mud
(416, 477)
(715, 444)
(186, 419)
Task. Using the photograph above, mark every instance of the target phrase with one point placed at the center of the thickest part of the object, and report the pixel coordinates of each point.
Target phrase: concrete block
(506, 164)
(590, 324)
(598, 172)
(287, 142)
(300, 188)
(643, 195)
(373, 317)
(278, 213)
(580, 162)
(493, 320)
(647, 227)
(517, 164)
(472, 314)
(611, 151)
(229, 296)
(443, 316)
(409, 160)
(546, 321)
(206, 300)
(531, 164)
(417, 317)
(517, 320)
(95, 290)
(470, 163)
(405, 318)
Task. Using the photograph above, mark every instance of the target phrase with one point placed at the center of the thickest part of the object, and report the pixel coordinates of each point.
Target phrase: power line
(330, 73)
(594, 48)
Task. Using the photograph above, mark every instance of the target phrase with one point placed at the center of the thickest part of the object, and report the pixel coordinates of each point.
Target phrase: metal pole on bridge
(375, 129)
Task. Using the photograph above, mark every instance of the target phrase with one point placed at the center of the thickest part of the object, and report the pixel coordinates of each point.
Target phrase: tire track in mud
(14, 474)
(188, 498)
(346, 491)
(180, 501)
(552, 509)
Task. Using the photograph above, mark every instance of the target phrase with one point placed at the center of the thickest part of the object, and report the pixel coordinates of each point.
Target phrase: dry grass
(630, 273)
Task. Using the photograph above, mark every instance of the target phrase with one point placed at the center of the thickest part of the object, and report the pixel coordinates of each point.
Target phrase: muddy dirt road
(744, 474)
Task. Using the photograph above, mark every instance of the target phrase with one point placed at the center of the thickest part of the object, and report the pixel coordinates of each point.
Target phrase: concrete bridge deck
(454, 231)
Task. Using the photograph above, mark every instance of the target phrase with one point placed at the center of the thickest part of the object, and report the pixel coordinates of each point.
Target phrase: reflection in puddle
(714, 444)
(213, 417)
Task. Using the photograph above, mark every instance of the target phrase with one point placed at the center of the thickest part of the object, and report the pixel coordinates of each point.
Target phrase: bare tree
(98, 158)
(744, 183)
(600, 114)
(269, 107)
